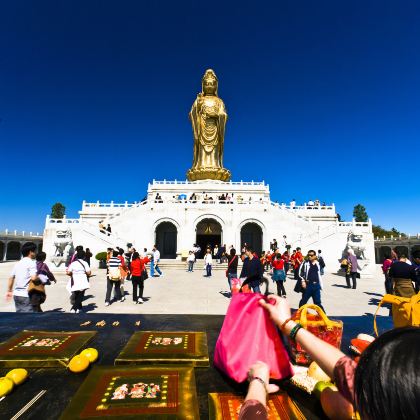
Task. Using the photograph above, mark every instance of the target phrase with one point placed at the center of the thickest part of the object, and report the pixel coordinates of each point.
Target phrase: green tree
(58, 211)
(379, 231)
(359, 213)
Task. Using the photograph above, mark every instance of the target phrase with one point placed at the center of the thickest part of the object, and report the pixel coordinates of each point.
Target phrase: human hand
(279, 310)
(9, 295)
(262, 370)
(303, 283)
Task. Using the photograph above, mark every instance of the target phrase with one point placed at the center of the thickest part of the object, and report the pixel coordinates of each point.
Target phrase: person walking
(138, 275)
(89, 255)
(156, 259)
(232, 270)
(79, 272)
(108, 229)
(114, 278)
(321, 262)
(279, 275)
(403, 276)
(351, 272)
(297, 260)
(222, 253)
(123, 271)
(386, 265)
(22, 274)
(36, 289)
(252, 270)
(101, 226)
(191, 261)
(286, 258)
(311, 280)
(208, 261)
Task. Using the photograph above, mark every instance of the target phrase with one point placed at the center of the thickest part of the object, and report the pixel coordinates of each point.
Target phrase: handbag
(231, 261)
(35, 287)
(235, 285)
(319, 325)
(114, 273)
(249, 335)
(144, 275)
(405, 311)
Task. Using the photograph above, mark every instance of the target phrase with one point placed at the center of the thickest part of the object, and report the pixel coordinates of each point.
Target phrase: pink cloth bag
(249, 335)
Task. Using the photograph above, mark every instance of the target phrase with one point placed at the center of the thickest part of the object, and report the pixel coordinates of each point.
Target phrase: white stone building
(228, 213)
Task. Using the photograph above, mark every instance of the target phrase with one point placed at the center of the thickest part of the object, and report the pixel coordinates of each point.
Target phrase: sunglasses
(311, 255)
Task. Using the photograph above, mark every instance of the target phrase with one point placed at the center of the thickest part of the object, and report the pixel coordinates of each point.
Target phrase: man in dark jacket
(252, 270)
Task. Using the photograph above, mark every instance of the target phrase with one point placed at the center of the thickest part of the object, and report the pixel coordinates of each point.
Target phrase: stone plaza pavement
(179, 292)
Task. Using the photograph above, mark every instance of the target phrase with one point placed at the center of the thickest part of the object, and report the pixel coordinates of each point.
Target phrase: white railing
(109, 205)
(304, 207)
(12, 233)
(355, 224)
(398, 237)
(63, 221)
(186, 182)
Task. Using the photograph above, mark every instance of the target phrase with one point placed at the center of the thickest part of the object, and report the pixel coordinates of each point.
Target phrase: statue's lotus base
(219, 174)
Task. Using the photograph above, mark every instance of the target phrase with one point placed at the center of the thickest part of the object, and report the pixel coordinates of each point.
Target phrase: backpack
(114, 273)
(405, 311)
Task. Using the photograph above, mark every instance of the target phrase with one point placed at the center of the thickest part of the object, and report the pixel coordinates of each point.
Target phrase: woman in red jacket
(138, 275)
(279, 275)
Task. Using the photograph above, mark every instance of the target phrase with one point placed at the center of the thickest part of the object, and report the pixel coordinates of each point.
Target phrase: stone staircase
(199, 265)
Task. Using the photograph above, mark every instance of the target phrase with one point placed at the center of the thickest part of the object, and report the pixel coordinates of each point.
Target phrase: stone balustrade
(12, 233)
(186, 182)
(236, 200)
(397, 237)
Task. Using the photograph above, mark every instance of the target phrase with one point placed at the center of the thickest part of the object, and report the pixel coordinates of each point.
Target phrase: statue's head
(209, 83)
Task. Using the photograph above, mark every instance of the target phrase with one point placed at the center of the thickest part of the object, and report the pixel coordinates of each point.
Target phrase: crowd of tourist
(384, 373)
(402, 275)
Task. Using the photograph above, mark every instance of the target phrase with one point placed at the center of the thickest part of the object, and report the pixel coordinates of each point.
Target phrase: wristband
(261, 381)
(294, 331)
(284, 323)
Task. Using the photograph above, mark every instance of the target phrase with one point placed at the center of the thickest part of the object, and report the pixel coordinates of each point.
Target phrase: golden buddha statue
(208, 118)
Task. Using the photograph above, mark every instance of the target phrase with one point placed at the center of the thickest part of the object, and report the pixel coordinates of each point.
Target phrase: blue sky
(323, 101)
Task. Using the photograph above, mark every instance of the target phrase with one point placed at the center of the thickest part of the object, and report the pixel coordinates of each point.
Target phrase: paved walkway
(179, 292)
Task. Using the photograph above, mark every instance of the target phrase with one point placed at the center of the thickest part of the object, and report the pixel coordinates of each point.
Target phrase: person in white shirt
(156, 258)
(79, 272)
(23, 272)
(191, 261)
(208, 260)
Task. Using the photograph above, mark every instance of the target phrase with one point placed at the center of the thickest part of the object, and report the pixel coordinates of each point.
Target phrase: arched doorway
(13, 251)
(1, 251)
(208, 233)
(252, 234)
(166, 239)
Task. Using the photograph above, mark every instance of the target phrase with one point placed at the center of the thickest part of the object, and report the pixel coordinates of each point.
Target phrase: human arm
(10, 284)
(255, 403)
(323, 353)
(49, 274)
